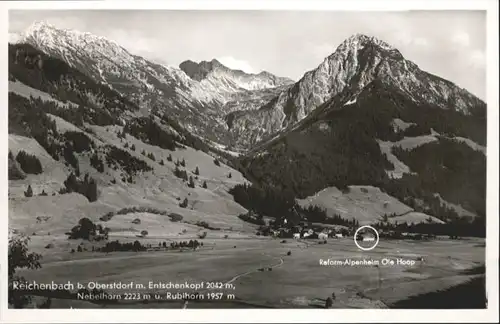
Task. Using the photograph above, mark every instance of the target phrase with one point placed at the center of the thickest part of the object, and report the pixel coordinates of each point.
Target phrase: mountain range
(365, 116)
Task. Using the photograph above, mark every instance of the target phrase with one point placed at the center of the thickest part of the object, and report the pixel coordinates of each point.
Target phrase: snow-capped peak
(362, 39)
(45, 35)
(213, 74)
(15, 38)
(39, 25)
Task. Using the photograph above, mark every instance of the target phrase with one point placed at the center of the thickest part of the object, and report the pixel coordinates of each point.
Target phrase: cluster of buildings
(304, 232)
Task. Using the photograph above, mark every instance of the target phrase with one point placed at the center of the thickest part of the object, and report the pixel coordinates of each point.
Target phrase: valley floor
(295, 281)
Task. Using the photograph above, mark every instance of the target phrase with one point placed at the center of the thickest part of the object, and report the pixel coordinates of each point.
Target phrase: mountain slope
(213, 74)
(358, 61)
(153, 87)
(91, 101)
(366, 119)
(338, 145)
(141, 169)
(156, 88)
(78, 129)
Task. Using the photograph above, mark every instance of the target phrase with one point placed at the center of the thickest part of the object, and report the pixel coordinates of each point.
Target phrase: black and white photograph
(248, 159)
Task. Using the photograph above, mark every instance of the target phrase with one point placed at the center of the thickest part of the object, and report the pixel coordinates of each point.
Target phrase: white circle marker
(356, 234)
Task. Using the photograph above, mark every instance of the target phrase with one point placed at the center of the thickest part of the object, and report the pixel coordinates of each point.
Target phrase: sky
(450, 44)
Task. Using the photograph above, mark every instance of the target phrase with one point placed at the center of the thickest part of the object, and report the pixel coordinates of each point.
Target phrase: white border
(265, 315)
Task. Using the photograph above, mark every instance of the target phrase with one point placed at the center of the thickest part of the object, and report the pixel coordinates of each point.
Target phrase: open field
(296, 281)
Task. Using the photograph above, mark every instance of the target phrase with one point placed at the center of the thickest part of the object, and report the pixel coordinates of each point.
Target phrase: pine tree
(191, 182)
(28, 192)
(328, 302)
(162, 163)
(169, 158)
(204, 184)
(183, 162)
(132, 147)
(177, 172)
(92, 190)
(197, 171)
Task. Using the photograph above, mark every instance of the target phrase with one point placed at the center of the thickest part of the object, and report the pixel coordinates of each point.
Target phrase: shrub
(129, 163)
(169, 158)
(28, 192)
(97, 163)
(175, 217)
(202, 235)
(184, 203)
(216, 162)
(78, 141)
(148, 131)
(70, 156)
(182, 174)
(84, 230)
(136, 246)
(29, 163)
(15, 171)
(87, 187)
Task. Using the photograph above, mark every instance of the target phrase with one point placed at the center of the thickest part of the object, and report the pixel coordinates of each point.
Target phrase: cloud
(461, 38)
(421, 42)
(402, 37)
(477, 59)
(136, 43)
(236, 64)
(405, 38)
